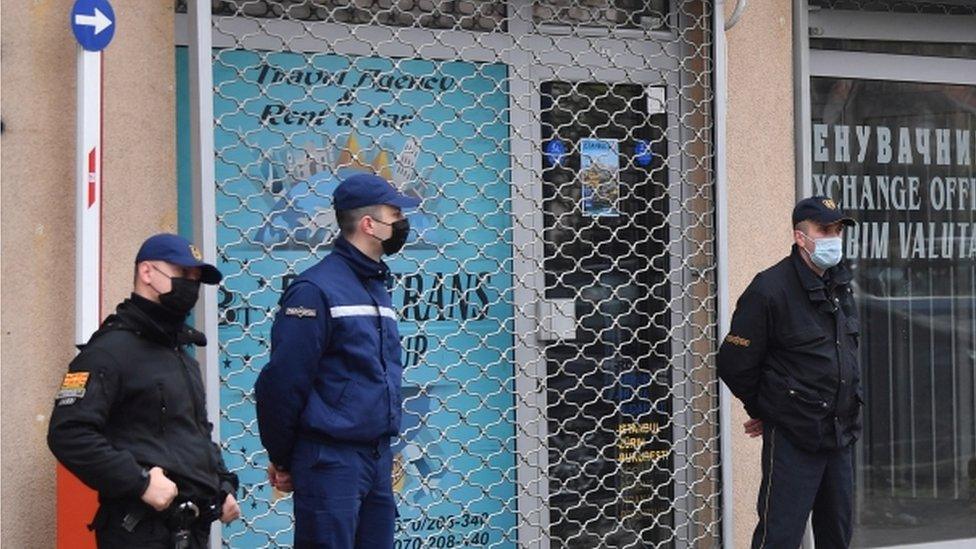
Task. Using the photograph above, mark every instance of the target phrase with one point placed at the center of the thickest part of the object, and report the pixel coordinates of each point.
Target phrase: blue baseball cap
(177, 250)
(366, 189)
(822, 210)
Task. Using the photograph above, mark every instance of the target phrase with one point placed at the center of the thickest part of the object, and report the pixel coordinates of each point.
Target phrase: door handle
(557, 319)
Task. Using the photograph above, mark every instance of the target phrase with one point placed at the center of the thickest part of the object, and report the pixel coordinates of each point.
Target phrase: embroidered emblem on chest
(301, 312)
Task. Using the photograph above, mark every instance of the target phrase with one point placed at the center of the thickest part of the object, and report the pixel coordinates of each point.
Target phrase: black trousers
(151, 532)
(796, 482)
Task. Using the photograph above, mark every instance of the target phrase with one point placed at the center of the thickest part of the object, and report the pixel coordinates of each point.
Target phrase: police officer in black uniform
(130, 419)
(791, 357)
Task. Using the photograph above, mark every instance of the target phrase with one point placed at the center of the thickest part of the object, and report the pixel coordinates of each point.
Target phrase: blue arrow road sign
(93, 22)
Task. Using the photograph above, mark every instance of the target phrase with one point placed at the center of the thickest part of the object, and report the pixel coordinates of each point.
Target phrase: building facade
(599, 181)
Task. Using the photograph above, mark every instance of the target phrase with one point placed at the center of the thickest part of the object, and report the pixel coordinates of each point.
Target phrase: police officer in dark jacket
(130, 418)
(329, 400)
(791, 357)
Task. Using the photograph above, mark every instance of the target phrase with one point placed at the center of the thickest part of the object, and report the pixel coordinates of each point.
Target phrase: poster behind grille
(290, 128)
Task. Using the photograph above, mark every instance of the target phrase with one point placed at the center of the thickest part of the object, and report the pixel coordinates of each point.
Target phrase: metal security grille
(556, 296)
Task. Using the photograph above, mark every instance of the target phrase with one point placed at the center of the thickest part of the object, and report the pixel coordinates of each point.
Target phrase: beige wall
(38, 110)
(761, 189)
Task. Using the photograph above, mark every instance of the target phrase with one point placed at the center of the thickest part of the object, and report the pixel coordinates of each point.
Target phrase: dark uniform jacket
(335, 372)
(791, 355)
(134, 399)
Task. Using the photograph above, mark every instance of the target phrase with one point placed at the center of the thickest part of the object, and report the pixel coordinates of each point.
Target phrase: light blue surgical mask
(827, 251)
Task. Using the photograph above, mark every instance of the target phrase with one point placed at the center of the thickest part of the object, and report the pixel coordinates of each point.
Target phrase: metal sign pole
(76, 503)
(88, 185)
(93, 25)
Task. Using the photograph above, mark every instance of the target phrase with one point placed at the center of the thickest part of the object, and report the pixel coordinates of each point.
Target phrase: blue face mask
(827, 251)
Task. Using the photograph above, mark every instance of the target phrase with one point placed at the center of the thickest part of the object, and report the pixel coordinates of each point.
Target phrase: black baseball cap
(177, 250)
(822, 210)
(366, 189)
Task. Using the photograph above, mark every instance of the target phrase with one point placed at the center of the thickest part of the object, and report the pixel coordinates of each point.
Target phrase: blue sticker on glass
(555, 151)
(643, 155)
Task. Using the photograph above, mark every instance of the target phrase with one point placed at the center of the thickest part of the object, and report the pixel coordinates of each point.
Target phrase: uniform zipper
(196, 410)
(162, 408)
(189, 387)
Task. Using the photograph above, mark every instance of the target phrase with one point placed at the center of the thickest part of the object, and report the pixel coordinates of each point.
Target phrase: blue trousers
(796, 482)
(343, 496)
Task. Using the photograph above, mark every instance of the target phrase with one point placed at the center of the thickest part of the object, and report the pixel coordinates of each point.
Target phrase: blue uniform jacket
(335, 370)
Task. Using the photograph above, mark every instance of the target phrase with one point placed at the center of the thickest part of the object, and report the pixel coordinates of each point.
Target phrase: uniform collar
(152, 321)
(361, 264)
(838, 275)
(809, 279)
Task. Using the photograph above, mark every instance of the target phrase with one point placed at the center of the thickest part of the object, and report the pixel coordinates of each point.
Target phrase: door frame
(530, 59)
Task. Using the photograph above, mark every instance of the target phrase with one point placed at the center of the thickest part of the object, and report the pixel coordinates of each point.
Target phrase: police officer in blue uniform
(791, 356)
(329, 400)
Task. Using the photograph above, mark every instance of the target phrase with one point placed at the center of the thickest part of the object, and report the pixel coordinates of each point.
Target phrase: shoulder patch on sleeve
(301, 312)
(736, 340)
(73, 388)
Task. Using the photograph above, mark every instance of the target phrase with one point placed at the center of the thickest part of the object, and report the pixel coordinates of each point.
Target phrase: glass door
(606, 257)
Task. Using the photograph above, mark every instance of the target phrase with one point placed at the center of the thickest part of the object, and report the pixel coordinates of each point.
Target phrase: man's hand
(754, 427)
(231, 511)
(161, 490)
(280, 480)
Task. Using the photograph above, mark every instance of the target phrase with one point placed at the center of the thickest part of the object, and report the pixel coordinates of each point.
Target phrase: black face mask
(182, 296)
(401, 230)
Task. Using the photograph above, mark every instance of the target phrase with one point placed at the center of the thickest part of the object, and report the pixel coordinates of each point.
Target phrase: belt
(183, 512)
(375, 445)
(187, 513)
(185, 516)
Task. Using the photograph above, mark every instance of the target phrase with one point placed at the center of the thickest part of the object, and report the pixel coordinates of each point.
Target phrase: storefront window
(901, 158)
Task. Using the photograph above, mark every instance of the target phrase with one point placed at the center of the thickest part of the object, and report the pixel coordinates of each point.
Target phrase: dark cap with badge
(364, 189)
(822, 210)
(177, 250)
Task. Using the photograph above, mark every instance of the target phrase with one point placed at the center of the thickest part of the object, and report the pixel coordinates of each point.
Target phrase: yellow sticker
(399, 473)
(196, 253)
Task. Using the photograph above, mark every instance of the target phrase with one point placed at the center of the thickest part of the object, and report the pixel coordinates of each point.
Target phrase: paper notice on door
(600, 176)
(656, 100)
(405, 171)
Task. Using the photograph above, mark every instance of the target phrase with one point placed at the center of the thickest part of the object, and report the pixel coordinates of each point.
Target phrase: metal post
(801, 95)
(801, 121)
(204, 201)
(722, 265)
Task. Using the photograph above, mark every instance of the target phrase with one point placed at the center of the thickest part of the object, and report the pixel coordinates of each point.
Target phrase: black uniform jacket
(134, 399)
(791, 354)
